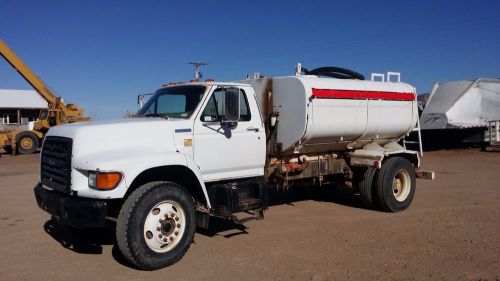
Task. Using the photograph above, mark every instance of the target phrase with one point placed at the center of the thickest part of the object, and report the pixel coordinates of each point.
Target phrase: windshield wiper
(156, 115)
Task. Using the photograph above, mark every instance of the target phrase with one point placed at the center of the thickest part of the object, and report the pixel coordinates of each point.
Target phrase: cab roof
(212, 83)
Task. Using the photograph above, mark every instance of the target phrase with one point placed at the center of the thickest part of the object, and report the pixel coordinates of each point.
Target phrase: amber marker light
(104, 180)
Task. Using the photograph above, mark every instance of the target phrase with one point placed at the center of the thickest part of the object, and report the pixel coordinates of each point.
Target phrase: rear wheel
(26, 143)
(362, 181)
(156, 225)
(396, 184)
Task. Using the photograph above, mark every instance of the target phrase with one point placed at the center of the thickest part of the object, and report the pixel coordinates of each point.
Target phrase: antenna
(197, 72)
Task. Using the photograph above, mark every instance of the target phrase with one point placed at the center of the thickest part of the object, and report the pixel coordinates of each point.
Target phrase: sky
(102, 54)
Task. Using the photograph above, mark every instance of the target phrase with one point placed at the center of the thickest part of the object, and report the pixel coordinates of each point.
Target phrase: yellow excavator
(26, 142)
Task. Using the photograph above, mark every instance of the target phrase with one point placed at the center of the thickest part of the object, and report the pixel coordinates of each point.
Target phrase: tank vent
(391, 77)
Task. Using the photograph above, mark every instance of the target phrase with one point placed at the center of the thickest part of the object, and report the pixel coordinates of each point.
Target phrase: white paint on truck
(197, 150)
(365, 112)
(240, 154)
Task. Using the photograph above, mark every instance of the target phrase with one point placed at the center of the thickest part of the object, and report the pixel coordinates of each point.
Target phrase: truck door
(229, 150)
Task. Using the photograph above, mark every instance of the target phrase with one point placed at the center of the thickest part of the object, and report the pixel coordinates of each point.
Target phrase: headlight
(104, 180)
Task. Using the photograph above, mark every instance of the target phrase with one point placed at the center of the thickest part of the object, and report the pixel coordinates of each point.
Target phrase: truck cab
(186, 138)
(213, 129)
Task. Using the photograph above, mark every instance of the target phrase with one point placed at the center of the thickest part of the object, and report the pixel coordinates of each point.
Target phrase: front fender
(130, 163)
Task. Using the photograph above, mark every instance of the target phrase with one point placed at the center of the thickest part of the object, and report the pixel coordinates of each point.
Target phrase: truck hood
(149, 135)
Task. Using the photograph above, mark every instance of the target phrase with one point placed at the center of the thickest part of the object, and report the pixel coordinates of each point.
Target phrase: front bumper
(73, 211)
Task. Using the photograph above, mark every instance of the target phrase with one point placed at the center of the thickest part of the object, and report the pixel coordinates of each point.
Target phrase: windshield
(175, 102)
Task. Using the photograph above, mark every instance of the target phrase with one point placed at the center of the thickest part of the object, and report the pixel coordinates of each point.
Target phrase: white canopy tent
(462, 104)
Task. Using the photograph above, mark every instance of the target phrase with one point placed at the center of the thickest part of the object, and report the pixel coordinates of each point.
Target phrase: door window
(214, 110)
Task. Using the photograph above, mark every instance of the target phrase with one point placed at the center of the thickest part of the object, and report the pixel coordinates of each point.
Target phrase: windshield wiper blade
(156, 115)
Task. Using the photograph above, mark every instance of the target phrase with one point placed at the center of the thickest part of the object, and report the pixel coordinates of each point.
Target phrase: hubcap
(26, 143)
(401, 185)
(164, 226)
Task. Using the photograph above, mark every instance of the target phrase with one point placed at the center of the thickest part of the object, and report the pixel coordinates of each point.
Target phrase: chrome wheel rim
(164, 226)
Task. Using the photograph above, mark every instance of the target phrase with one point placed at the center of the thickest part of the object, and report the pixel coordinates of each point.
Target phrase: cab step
(235, 197)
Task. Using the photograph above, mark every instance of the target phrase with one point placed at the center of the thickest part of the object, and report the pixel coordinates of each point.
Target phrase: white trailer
(458, 112)
(209, 148)
(462, 104)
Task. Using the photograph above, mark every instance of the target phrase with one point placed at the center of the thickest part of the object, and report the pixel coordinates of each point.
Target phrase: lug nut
(171, 238)
(160, 236)
(165, 239)
(166, 215)
(178, 225)
(158, 228)
(172, 215)
(176, 232)
(176, 218)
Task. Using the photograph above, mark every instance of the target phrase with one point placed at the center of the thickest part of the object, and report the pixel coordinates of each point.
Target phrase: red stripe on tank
(362, 95)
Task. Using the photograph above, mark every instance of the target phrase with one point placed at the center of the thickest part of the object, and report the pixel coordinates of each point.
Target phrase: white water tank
(318, 114)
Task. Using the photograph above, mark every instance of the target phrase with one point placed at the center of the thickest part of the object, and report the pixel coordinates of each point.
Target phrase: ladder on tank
(381, 78)
(419, 141)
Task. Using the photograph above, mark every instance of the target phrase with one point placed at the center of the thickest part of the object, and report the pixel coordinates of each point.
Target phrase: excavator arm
(66, 113)
(27, 74)
(57, 113)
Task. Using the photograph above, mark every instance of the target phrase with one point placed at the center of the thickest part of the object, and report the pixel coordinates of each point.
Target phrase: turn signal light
(104, 180)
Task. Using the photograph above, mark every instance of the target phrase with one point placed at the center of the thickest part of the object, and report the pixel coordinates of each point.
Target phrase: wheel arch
(372, 155)
(411, 156)
(179, 174)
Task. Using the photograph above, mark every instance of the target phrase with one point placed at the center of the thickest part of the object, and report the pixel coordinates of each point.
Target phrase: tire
(396, 184)
(26, 143)
(363, 181)
(156, 225)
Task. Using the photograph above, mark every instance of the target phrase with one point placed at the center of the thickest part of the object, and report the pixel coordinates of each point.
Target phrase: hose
(334, 72)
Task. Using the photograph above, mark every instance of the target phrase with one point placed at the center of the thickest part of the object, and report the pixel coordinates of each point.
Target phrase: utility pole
(197, 72)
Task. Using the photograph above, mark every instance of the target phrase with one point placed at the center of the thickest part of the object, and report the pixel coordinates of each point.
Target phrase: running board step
(234, 197)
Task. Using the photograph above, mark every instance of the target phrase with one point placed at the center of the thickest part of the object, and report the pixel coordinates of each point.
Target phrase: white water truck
(202, 149)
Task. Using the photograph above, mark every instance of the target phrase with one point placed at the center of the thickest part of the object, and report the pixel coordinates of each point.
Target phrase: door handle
(252, 129)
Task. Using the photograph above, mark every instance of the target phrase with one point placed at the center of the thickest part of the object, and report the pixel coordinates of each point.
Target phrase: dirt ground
(451, 232)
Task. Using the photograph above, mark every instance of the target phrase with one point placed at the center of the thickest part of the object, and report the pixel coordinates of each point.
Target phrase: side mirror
(231, 105)
(141, 99)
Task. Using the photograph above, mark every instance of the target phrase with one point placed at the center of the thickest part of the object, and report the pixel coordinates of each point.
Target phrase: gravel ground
(451, 232)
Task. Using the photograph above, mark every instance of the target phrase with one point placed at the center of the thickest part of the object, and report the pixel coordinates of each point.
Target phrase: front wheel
(27, 143)
(156, 225)
(396, 184)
